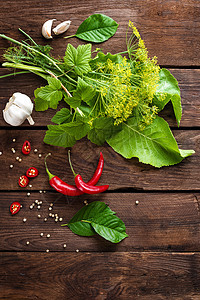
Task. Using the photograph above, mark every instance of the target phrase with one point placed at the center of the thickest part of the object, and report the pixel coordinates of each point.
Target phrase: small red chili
(85, 187)
(23, 181)
(32, 172)
(15, 207)
(71, 190)
(26, 148)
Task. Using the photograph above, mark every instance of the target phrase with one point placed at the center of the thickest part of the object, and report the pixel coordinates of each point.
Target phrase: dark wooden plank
(189, 82)
(160, 222)
(169, 28)
(118, 172)
(76, 276)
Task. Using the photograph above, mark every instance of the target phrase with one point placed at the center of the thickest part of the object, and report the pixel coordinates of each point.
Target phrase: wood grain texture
(160, 222)
(119, 173)
(169, 28)
(189, 83)
(100, 276)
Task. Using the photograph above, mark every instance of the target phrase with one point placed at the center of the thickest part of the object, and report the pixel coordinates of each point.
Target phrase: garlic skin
(18, 109)
(46, 29)
(62, 27)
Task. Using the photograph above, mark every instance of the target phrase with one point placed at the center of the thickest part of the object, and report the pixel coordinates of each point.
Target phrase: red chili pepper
(85, 187)
(32, 172)
(26, 148)
(15, 207)
(71, 190)
(89, 189)
(23, 181)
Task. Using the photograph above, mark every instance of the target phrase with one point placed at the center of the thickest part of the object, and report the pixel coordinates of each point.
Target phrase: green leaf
(62, 116)
(110, 227)
(57, 135)
(87, 213)
(154, 145)
(97, 28)
(54, 83)
(41, 105)
(78, 58)
(168, 86)
(73, 102)
(102, 128)
(65, 135)
(102, 58)
(52, 96)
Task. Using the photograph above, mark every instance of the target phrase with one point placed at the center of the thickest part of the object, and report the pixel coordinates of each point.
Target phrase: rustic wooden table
(160, 258)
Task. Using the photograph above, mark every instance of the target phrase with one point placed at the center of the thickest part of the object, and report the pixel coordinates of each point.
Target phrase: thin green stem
(28, 36)
(70, 163)
(69, 36)
(13, 74)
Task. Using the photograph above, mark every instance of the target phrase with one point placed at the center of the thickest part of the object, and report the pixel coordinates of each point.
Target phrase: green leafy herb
(62, 116)
(113, 98)
(98, 218)
(97, 28)
(79, 58)
(48, 96)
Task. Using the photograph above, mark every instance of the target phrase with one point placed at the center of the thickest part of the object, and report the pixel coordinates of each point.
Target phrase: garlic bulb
(18, 109)
(46, 29)
(62, 27)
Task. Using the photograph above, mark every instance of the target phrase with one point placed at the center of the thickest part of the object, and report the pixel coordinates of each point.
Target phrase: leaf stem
(69, 36)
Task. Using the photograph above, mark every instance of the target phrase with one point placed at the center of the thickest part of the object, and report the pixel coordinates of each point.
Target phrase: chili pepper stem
(70, 163)
(47, 170)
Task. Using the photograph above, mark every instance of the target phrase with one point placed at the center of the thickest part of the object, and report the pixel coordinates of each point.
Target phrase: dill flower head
(119, 94)
(127, 85)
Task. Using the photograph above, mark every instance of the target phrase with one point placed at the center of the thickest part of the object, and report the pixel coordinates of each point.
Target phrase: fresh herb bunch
(111, 98)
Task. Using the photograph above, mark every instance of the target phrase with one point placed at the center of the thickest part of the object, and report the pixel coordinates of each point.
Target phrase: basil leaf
(97, 28)
(154, 145)
(168, 86)
(78, 58)
(110, 227)
(62, 116)
(87, 213)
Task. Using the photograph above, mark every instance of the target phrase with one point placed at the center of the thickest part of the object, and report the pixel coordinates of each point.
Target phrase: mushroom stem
(31, 122)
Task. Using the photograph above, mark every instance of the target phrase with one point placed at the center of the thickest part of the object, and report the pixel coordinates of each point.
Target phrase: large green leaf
(65, 135)
(87, 213)
(167, 90)
(109, 227)
(154, 145)
(97, 28)
(78, 58)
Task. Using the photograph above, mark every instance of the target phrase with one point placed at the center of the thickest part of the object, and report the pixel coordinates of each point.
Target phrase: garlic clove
(62, 27)
(46, 29)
